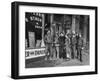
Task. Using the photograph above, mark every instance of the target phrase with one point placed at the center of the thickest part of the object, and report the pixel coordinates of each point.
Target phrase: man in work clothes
(67, 43)
(48, 42)
(77, 41)
(73, 45)
(62, 52)
(80, 47)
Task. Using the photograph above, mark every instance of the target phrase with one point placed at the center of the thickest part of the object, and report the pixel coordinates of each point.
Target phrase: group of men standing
(63, 46)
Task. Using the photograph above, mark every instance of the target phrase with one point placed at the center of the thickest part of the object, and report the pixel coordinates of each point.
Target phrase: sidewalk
(59, 62)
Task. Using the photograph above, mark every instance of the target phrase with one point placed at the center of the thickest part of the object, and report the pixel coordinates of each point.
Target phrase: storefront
(38, 24)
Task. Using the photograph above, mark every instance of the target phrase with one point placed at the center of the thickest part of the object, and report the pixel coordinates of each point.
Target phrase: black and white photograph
(50, 40)
(53, 40)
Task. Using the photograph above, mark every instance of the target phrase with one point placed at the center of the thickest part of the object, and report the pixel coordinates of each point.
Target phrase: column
(85, 29)
(51, 22)
(43, 24)
(73, 23)
(77, 23)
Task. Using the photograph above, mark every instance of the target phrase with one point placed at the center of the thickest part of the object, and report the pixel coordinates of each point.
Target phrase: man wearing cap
(73, 45)
(62, 53)
(67, 43)
(77, 41)
(48, 42)
(80, 47)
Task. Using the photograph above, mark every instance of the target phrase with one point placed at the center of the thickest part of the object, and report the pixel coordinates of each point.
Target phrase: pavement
(60, 62)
